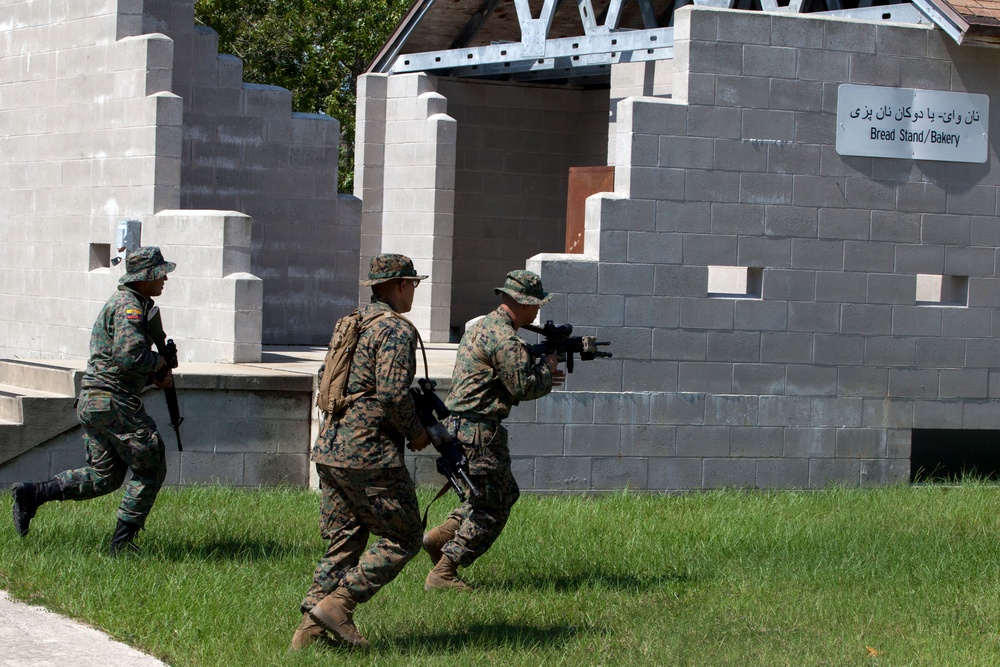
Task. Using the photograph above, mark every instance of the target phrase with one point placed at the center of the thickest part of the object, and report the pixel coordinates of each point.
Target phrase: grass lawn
(891, 576)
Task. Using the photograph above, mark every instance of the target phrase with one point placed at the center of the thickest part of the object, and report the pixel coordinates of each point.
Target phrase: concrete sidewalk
(35, 637)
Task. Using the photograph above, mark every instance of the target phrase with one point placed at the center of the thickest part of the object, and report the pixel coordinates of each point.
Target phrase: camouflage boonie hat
(524, 287)
(146, 263)
(388, 266)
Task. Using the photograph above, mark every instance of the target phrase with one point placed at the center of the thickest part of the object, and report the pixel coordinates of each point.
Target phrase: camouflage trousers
(483, 517)
(355, 504)
(118, 436)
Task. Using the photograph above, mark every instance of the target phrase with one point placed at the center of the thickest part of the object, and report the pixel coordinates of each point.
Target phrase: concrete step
(42, 376)
(36, 404)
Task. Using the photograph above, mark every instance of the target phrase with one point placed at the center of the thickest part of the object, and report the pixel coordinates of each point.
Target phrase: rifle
(168, 350)
(452, 462)
(560, 340)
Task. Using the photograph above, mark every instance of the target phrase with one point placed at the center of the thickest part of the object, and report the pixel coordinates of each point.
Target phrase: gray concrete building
(796, 263)
(784, 221)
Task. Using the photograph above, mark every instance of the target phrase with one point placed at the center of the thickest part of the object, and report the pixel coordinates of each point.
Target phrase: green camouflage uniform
(364, 484)
(117, 432)
(493, 371)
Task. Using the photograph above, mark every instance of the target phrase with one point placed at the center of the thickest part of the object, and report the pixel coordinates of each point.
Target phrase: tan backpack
(336, 369)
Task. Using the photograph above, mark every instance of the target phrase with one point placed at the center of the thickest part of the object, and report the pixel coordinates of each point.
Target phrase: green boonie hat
(146, 263)
(388, 266)
(524, 287)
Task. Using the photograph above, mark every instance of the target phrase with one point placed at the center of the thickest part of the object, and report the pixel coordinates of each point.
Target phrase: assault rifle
(168, 350)
(561, 341)
(452, 462)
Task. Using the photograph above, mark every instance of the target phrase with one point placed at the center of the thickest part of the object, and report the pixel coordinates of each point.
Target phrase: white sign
(913, 124)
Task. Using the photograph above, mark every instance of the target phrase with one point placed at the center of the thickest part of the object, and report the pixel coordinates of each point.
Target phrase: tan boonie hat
(524, 287)
(146, 263)
(388, 266)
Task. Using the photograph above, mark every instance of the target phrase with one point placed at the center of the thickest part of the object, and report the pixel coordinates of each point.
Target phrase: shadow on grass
(223, 549)
(488, 636)
(569, 581)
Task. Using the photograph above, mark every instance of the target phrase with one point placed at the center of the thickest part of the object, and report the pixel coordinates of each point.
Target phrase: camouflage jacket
(121, 353)
(372, 431)
(494, 371)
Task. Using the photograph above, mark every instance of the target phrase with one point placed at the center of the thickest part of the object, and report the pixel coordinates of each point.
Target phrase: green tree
(314, 48)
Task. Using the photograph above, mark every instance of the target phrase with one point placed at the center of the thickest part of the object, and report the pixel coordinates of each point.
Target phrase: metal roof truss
(603, 44)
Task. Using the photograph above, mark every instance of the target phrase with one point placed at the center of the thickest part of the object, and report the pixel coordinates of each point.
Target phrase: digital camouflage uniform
(493, 372)
(364, 484)
(117, 433)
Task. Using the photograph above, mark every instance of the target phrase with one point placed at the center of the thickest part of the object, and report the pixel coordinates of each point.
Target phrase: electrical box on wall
(127, 239)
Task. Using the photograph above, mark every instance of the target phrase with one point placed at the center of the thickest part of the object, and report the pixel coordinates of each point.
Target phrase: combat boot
(28, 497)
(437, 537)
(335, 613)
(306, 634)
(125, 532)
(445, 576)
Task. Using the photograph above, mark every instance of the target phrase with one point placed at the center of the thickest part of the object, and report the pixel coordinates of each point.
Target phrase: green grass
(718, 578)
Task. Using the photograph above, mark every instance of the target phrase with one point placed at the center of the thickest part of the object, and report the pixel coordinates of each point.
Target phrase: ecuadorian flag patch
(133, 314)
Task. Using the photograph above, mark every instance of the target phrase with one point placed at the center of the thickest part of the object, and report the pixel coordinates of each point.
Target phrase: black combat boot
(125, 532)
(28, 496)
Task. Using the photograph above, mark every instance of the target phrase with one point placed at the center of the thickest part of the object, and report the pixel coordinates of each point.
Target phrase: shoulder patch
(133, 314)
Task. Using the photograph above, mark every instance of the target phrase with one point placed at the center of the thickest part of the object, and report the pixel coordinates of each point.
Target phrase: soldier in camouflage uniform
(117, 433)
(364, 485)
(493, 371)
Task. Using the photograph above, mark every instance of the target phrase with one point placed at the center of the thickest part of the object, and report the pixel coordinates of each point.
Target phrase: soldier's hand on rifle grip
(558, 376)
(420, 442)
(163, 380)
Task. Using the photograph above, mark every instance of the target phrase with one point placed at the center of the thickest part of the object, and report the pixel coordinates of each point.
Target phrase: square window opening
(100, 256)
(735, 282)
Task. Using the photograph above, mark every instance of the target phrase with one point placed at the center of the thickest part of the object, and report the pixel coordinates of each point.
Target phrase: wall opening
(735, 282)
(515, 146)
(934, 290)
(100, 256)
(939, 455)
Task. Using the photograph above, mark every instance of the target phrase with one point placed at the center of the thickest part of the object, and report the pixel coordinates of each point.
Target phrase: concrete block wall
(234, 434)
(515, 146)
(405, 170)
(822, 378)
(89, 135)
(211, 304)
(244, 150)
(654, 78)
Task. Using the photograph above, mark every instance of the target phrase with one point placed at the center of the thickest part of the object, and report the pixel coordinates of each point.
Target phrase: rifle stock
(452, 463)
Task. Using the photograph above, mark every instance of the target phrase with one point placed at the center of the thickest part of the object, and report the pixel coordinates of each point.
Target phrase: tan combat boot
(437, 537)
(445, 576)
(335, 612)
(306, 634)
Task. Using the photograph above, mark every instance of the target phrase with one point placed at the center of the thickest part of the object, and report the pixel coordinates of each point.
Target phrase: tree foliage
(314, 48)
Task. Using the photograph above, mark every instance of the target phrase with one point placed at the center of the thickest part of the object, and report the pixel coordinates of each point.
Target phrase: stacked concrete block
(120, 110)
(212, 305)
(243, 149)
(239, 431)
(406, 174)
(820, 378)
(90, 136)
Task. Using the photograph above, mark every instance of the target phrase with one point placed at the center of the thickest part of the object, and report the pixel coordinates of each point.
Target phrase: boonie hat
(524, 287)
(389, 266)
(146, 263)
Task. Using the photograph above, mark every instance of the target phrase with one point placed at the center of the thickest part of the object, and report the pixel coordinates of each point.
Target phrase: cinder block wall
(822, 378)
(234, 434)
(406, 173)
(244, 150)
(89, 135)
(515, 146)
